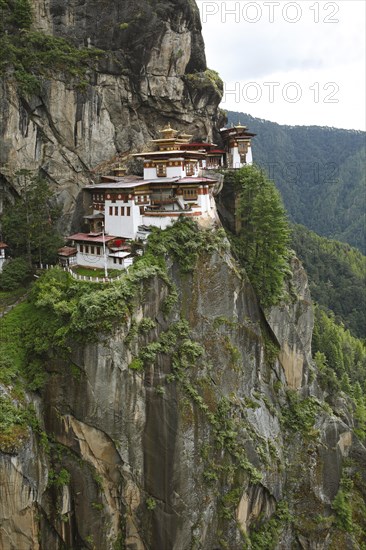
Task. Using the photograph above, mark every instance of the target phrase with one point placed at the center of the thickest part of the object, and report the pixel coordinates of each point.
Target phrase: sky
(290, 62)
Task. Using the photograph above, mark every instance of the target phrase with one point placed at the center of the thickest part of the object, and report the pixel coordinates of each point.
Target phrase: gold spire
(168, 132)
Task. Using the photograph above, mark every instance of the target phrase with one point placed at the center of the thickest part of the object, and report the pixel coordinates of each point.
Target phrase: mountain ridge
(319, 172)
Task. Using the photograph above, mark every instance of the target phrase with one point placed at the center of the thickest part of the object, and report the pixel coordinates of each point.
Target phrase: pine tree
(29, 225)
(262, 243)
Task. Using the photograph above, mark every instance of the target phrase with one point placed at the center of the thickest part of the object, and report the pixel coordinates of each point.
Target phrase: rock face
(23, 480)
(206, 447)
(292, 324)
(195, 451)
(153, 72)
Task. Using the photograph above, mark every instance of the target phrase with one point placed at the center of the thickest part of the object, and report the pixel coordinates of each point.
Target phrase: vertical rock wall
(140, 84)
(153, 456)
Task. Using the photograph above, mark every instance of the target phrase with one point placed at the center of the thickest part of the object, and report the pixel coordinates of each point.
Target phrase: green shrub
(136, 364)
(150, 504)
(59, 479)
(300, 414)
(13, 424)
(343, 510)
(14, 274)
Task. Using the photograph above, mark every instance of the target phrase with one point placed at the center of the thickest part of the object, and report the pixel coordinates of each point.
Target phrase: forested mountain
(319, 171)
(337, 274)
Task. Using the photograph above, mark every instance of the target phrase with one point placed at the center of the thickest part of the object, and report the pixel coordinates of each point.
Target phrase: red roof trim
(87, 238)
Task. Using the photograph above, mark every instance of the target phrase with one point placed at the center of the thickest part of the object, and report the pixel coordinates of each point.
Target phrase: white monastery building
(3, 247)
(174, 184)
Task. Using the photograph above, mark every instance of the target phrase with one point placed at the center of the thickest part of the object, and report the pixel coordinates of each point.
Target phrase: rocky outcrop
(153, 72)
(201, 448)
(292, 322)
(23, 480)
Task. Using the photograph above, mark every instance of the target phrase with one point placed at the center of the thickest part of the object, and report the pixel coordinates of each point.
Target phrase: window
(116, 210)
(98, 250)
(189, 169)
(111, 210)
(190, 193)
(161, 170)
(92, 250)
(86, 249)
(142, 210)
(242, 148)
(128, 210)
(81, 248)
(122, 210)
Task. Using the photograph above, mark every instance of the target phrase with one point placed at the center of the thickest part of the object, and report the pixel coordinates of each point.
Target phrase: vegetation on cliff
(60, 309)
(341, 361)
(262, 242)
(192, 373)
(29, 56)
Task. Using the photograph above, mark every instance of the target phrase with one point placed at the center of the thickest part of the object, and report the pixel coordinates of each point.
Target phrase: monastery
(177, 181)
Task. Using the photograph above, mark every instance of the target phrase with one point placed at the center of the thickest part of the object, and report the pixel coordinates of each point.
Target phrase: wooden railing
(87, 278)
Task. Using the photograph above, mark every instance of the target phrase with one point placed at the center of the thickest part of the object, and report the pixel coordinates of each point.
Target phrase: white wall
(175, 171)
(90, 260)
(149, 173)
(236, 157)
(249, 157)
(122, 226)
(126, 262)
(156, 221)
(171, 172)
(204, 202)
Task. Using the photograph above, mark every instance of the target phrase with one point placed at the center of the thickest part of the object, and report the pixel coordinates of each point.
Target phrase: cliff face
(152, 72)
(202, 448)
(200, 426)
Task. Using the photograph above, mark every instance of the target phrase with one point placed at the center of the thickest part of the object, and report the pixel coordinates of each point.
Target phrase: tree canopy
(262, 241)
(29, 226)
(337, 277)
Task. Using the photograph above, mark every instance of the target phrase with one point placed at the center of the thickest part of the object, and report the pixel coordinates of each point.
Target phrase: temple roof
(172, 153)
(90, 238)
(67, 251)
(237, 131)
(122, 184)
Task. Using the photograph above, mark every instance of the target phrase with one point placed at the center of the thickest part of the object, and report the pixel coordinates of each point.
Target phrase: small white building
(3, 247)
(238, 146)
(100, 251)
(67, 256)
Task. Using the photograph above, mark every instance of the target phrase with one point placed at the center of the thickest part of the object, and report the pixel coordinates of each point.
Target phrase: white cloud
(306, 52)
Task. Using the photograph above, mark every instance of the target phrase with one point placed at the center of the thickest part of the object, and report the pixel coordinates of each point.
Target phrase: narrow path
(8, 308)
